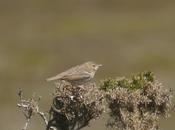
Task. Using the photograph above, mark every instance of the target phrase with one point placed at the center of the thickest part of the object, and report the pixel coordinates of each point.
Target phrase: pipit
(79, 74)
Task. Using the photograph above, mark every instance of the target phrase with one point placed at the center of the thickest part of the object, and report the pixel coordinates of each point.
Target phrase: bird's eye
(94, 65)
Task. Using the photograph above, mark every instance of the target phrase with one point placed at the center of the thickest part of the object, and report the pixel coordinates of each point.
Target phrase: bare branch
(30, 108)
(26, 124)
(42, 115)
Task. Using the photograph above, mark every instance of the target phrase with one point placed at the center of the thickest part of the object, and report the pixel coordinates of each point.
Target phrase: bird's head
(92, 65)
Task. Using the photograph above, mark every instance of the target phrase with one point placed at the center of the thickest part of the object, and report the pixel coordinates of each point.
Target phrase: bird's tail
(52, 79)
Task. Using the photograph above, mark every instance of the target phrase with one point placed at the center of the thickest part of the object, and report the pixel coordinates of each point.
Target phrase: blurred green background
(40, 38)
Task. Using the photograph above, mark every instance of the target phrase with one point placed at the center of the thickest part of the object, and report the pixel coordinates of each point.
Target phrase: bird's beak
(99, 65)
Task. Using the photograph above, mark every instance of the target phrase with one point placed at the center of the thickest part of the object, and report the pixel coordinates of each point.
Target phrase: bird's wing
(64, 74)
(74, 77)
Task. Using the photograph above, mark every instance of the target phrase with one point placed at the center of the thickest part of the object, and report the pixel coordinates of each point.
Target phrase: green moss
(108, 84)
(138, 81)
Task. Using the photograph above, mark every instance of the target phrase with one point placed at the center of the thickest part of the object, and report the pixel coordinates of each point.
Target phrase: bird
(79, 74)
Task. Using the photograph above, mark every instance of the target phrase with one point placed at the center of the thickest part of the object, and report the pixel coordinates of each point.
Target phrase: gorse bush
(135, 103)
(73, 107)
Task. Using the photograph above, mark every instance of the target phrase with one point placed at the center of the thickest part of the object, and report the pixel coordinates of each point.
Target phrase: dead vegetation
(135, 104)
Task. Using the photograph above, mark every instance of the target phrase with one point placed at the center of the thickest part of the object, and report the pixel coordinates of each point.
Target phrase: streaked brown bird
(79, 74)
